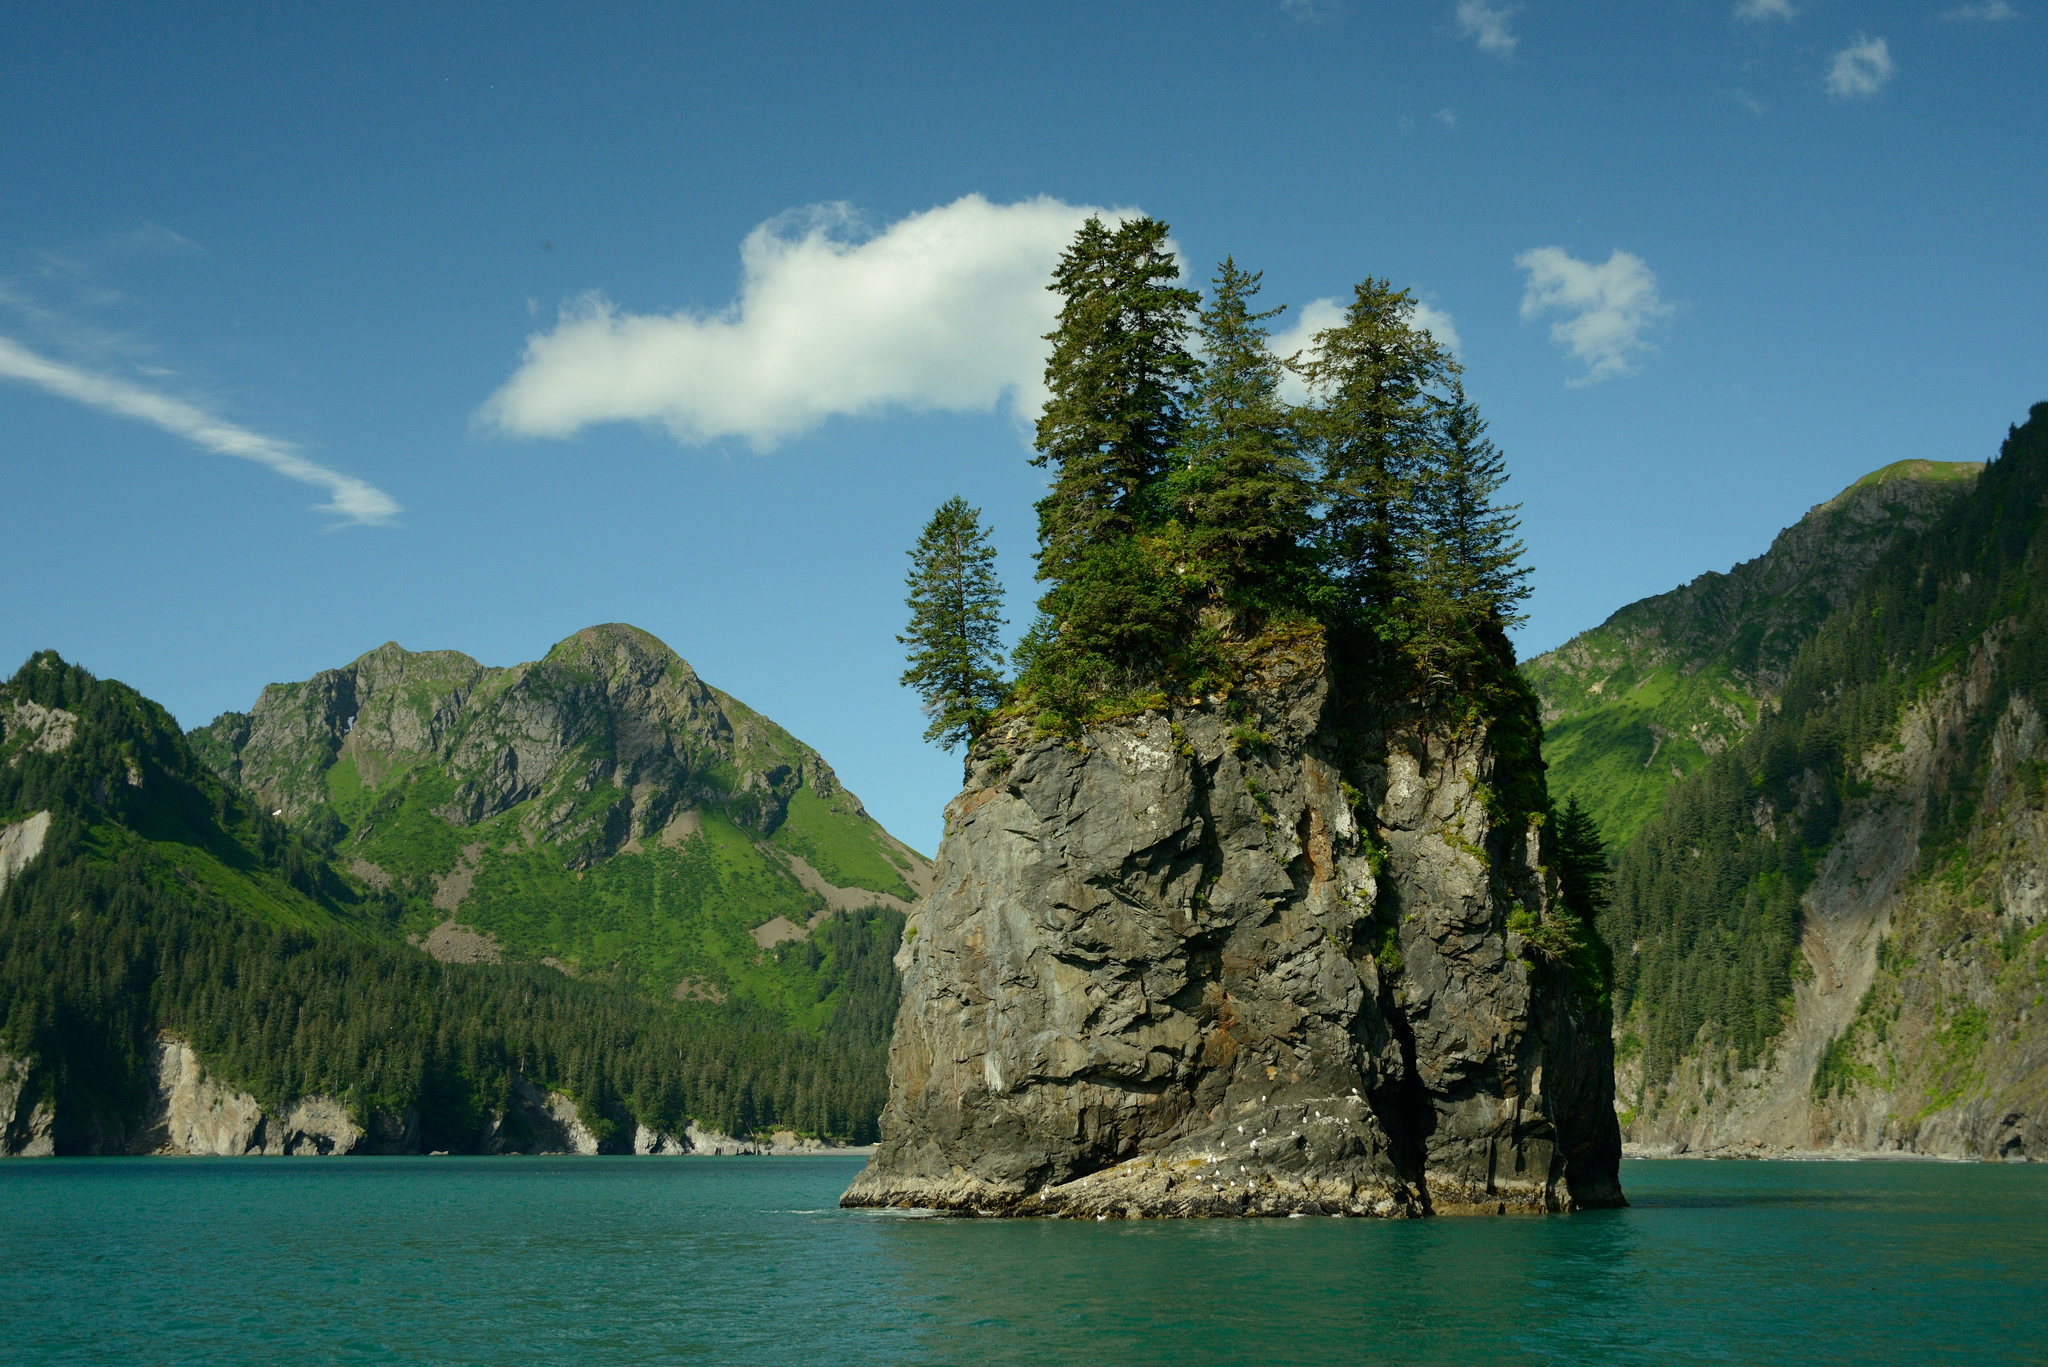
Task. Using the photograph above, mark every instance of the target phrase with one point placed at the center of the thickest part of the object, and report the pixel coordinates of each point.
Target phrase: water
(748, 1260)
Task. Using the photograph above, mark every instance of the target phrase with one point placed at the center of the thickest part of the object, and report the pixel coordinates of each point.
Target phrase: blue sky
(325, 326)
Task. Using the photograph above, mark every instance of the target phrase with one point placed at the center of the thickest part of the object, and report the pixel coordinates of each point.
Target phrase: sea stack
(1265, 951)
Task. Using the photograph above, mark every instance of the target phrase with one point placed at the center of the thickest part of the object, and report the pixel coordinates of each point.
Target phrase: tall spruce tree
(1481, 556)
(956, 622)
(1582, 870)
(1116, 382)
(1378, 379)
(1244, 492)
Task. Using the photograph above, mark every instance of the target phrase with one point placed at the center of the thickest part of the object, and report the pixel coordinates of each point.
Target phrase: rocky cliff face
(1239, 958)
(1916, 1024)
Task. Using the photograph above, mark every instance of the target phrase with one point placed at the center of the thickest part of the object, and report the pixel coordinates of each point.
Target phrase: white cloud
(1860, 69)
(1313, 11)
(1766, 9)
(1487, 24)
(1447, 116)
(945, 310)
(1319, 314)
(1607, 307)
(350, 498)
(1991, 12)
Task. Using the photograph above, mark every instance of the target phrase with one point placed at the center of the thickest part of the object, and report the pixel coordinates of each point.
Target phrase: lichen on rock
(1187, 965)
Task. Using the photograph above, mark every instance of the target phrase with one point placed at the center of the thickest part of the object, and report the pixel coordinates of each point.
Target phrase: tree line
(1191, 503)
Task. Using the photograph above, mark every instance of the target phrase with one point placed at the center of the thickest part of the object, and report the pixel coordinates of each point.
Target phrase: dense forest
(1191, 507)
(1706, 897)
(164, 901)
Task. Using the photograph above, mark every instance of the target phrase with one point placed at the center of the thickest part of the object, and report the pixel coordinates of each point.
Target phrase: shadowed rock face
(1155, 978)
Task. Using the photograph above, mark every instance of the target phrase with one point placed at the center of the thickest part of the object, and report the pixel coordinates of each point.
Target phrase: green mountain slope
(1832, 932)
(1649, 695)
(142, 896)
(602, 810)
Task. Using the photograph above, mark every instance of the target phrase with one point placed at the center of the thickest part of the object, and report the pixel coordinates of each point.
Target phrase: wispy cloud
(1606, 306)
(1756, 10)
(1447, 116)
(1486, 23)
(1859, 70)
(945, 310)
(1318, 314)
(1991, 12)
(1747, 101)
(349, 498)
(1313, 11)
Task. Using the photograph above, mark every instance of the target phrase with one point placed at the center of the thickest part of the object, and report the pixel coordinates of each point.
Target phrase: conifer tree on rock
(1482, 554)
(1466, 575)
(1245, 490)
(1376, 375)
(955, 631)
(1117, 381)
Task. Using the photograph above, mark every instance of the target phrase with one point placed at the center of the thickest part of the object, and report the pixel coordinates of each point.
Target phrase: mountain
(189, 964)
(1831, 933)
(1279, 948)
(601, 809)
(1652, 693)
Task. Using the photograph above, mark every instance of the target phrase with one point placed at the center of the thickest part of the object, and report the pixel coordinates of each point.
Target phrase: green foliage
(1240, 488)
(1369, 513)
(1116, 384)
(955, 631)
(1244, 737)
(1375, 433)
(850, 853)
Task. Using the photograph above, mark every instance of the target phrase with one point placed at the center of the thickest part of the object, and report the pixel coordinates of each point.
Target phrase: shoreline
(1659, 1153)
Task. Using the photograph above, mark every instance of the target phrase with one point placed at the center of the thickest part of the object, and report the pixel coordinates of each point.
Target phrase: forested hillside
(1886, 819)
(1663, 685)
(159, 899)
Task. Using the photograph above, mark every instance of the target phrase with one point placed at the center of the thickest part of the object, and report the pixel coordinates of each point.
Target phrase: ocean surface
(749, 1260)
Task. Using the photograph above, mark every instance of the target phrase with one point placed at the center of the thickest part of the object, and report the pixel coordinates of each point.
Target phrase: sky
(322, 326)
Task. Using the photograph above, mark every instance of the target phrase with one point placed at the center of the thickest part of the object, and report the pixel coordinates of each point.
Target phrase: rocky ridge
(1248, 956)
(1645, 697)
(526, 812)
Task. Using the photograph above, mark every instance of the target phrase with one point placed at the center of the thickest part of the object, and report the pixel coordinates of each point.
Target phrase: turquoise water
(748, 1260)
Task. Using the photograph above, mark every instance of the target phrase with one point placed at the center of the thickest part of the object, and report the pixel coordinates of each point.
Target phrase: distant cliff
(1665, 683)
(1253, 955)
(1833, 934)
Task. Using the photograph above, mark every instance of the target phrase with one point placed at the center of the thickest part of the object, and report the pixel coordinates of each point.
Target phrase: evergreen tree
(1481, 556)
(1581, 859)
(1116, 381)
(1376, 375)
(1244, 492)
(956, 622)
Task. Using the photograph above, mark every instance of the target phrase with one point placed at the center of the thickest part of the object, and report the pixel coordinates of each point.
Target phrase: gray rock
(1147, 982)
(27, 1122)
